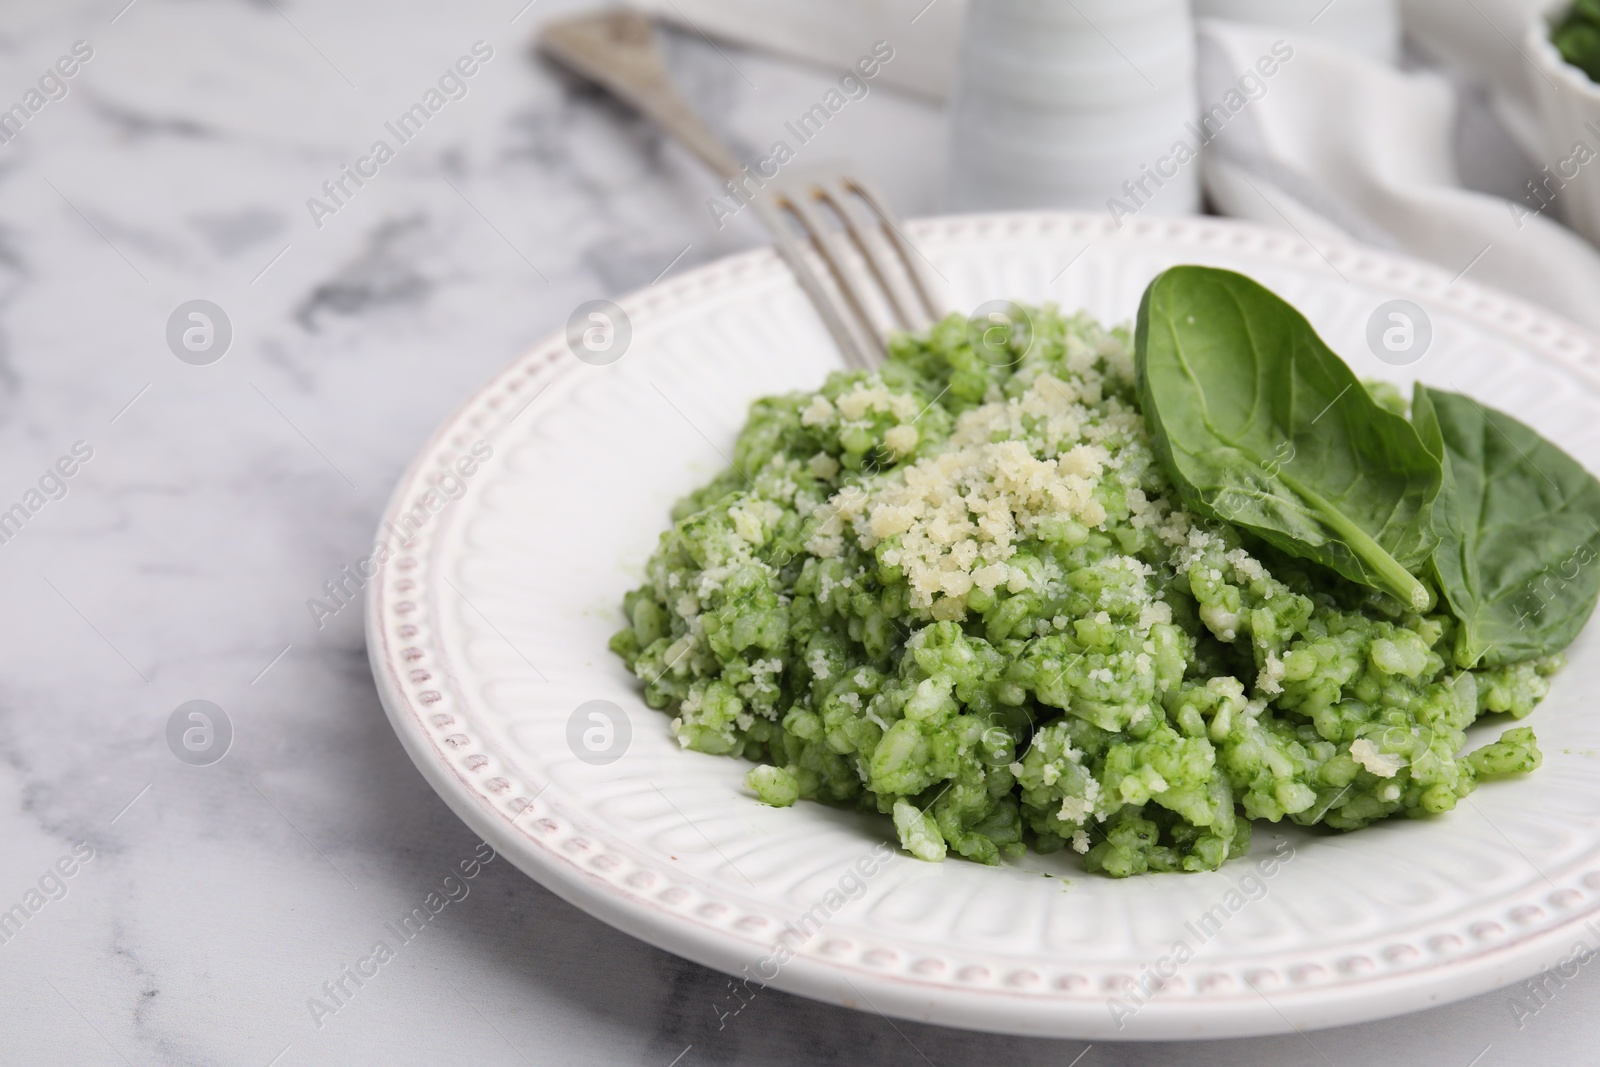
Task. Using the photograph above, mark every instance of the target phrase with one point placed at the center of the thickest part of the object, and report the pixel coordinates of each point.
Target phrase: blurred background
(167, 159)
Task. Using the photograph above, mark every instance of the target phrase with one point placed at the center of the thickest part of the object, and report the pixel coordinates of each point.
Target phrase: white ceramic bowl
(1569, 116)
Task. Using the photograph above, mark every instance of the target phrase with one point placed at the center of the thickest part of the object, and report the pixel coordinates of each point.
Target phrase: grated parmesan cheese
(1382, 764)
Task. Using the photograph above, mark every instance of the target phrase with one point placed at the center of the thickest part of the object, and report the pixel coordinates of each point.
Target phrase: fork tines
(874, 281)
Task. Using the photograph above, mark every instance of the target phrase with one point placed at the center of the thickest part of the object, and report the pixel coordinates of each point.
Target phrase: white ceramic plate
(488, 630)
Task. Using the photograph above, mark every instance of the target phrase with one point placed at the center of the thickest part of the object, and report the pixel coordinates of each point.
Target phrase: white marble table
(218, 498)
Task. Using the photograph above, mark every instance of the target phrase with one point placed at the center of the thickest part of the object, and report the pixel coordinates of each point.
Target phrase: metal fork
(873, 281)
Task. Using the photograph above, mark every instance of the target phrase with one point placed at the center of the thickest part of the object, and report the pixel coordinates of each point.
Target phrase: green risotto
(963, 591)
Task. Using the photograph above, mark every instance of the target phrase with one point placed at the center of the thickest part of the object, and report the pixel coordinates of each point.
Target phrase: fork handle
(618, 50)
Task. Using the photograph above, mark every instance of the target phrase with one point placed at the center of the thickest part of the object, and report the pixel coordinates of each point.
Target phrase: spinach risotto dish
(1034, 583)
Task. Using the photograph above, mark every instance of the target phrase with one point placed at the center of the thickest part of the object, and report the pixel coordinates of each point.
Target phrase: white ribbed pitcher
(1074, 104)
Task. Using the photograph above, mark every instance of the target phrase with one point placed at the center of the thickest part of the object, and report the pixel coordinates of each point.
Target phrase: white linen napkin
(1342, 144)
(1338, 145)
(1481, 42)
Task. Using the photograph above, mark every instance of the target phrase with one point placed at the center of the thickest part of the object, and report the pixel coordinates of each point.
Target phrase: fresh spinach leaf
(1261, 425)
(1519, 532)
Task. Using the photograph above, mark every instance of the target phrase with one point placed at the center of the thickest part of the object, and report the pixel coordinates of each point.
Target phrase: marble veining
(220, 497)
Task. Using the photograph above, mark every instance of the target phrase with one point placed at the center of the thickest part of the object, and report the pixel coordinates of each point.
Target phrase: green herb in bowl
(1577, 37)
